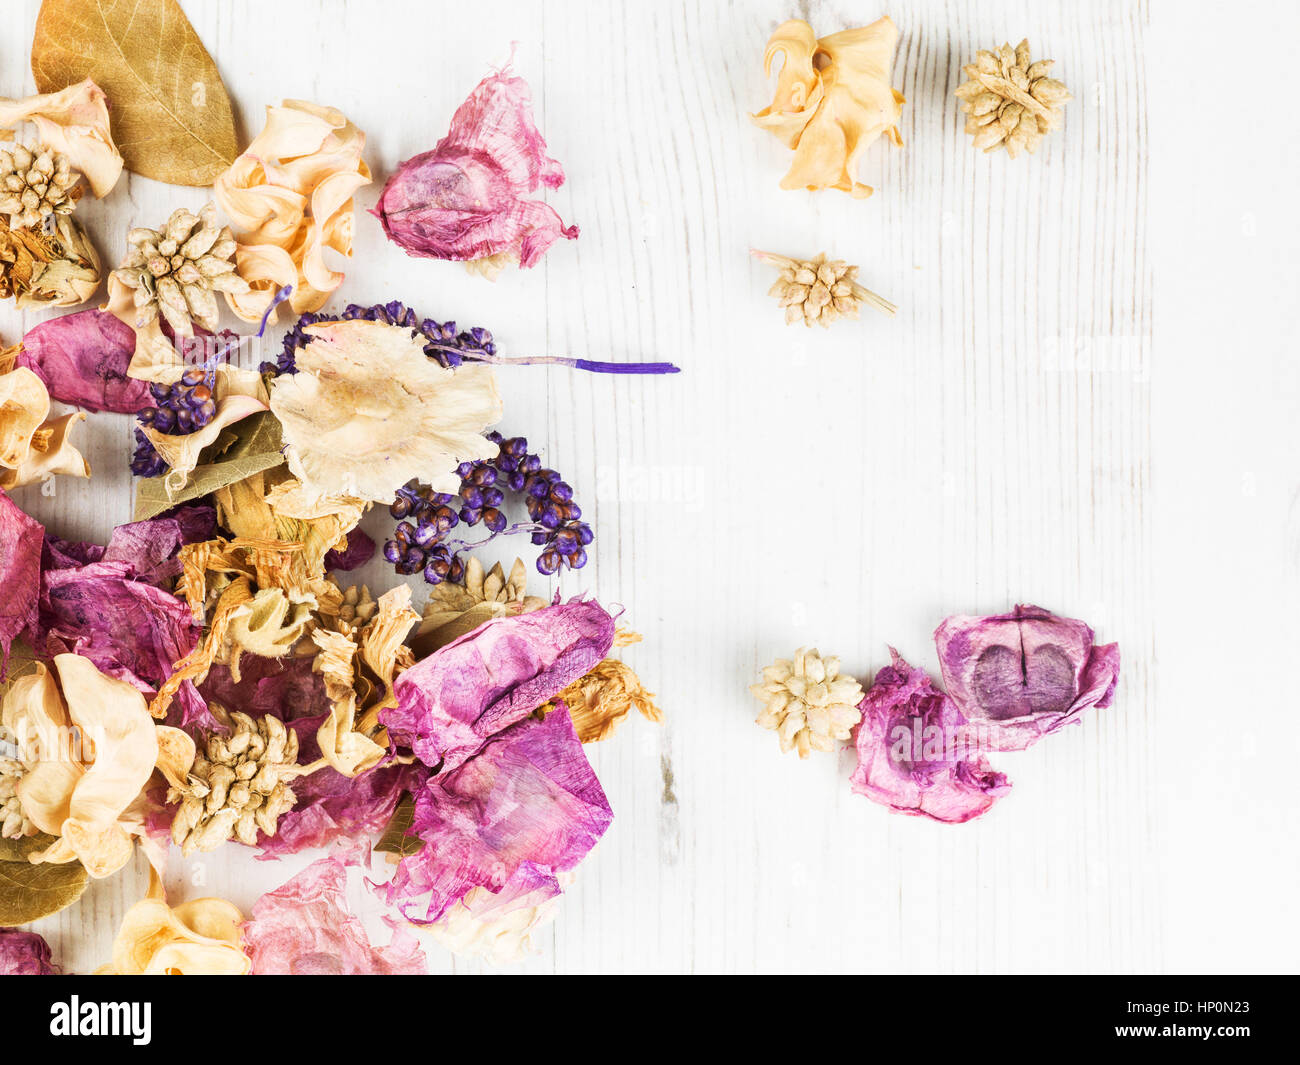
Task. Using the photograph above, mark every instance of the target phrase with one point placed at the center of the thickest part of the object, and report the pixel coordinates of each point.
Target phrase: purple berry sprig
(421, 541)
(183, 407)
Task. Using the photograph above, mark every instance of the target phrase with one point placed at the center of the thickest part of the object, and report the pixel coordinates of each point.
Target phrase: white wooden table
(1088, 401)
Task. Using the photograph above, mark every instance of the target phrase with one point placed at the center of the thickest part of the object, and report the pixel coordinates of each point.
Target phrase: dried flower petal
(20, 574)
(452, 702)
(74, 122)
(528, 798)
(197, 938)
(290, 197)
(915, 754)
(1025, 674)
(368, 411)
(833, 99)
(82, 358)
(464, 200)
(25, 954)
(304, 928)
(499, 926)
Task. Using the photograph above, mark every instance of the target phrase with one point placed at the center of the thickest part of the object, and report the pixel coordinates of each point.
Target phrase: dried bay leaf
(29, 892)
(396, 838)
(257, 448)
(171, 117)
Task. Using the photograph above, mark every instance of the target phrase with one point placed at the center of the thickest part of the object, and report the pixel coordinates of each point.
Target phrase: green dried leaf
(171, 116)
(396, 838)
(257, 448)
(29, 892)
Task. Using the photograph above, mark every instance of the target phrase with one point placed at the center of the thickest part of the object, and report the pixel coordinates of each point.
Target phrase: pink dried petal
(465, 199)
(21, 539)
(305, 928)
(450, 703)
(1025, 674)
(528, 798)
(914, 753)
(82, 359)
(25, 954)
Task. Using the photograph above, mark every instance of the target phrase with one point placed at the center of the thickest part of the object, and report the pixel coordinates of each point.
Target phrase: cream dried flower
(237, 785)
(14, 823)
(1010, 101)
(177, 272)
(368, 411)
(36, 184)
(808, 703)
(820, 290)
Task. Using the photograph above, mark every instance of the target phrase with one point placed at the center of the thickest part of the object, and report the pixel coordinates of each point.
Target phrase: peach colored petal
(73, 121)
(55, 455)
(24, 405)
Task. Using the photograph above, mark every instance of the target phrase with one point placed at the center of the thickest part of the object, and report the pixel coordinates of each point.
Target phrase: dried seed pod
(238, 789)
(178, 271)
(1010, 102)
(819, 290)
(35, 185)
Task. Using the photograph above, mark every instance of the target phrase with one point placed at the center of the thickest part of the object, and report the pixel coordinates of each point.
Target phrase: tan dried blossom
(1010, 101)
(35, 184)
(73, 122)
(237, 786)
(196, 938)
(453, 610)
(290, 196)
(820, 290)
(808, 703)
(33, 446)
(39, 269)
(600, 700)
(368, 411)
(833, 99)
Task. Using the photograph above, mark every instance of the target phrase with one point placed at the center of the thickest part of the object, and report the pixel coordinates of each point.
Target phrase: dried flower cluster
(59, 268)
(1010, 100)
(807, 702)
(35, 184)
(819, 290)
(237, 785)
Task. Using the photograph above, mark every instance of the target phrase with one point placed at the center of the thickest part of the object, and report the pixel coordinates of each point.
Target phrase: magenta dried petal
(21, 543)
(128, 628)
(1025, 674)
(25, 954)
(287, 687)
(529, 797)
(304, 928)
(451, 702)
(915, 754)
(465, 200)
(150, 547)
(82, 358)
(360, 550)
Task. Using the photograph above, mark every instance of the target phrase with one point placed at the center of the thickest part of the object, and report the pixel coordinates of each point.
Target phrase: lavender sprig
(422, 539)
(444, 344)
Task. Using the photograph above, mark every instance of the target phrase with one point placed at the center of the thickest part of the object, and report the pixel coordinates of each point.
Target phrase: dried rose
(1025, 674)
(915, 754)
(465, 199)
(24, 954)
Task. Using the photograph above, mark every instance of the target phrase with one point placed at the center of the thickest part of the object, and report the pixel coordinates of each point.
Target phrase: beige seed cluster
(236, 786)
(1010, 102)
(35, 185)
(13, 822)
(807, 702)
(819, 290)
(177, 272)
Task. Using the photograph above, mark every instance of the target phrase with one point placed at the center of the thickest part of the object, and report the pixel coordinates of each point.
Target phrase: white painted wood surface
(1088, 401)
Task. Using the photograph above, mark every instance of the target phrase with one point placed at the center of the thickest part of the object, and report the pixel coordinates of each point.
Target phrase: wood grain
(995, 443)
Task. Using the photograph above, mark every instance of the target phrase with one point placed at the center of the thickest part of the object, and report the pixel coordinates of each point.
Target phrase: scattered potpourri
(230, 687)
(1011, 680)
